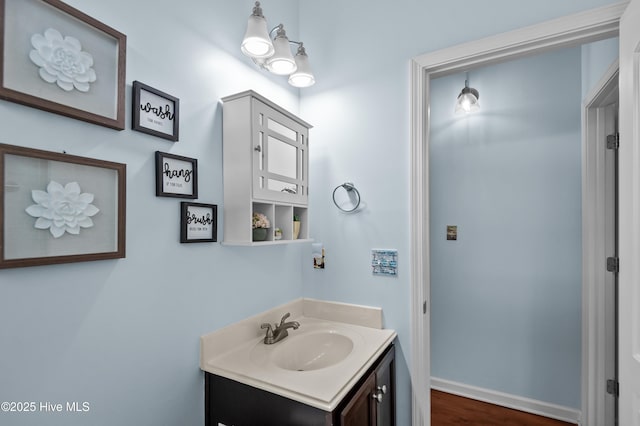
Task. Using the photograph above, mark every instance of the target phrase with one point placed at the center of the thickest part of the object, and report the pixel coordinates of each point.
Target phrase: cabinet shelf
(266, 243)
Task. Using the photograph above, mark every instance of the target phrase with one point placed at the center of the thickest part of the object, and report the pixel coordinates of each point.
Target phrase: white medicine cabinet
(265, 161)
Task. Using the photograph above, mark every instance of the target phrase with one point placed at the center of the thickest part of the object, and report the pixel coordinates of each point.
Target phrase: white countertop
(237, 353)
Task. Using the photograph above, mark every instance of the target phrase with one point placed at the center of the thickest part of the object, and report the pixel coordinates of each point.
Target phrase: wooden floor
(450, 410)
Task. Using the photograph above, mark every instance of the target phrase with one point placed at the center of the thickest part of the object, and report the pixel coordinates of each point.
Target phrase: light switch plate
(452, 232)
(384, 262)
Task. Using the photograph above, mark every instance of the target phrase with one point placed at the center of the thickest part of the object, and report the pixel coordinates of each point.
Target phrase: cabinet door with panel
(385, 391)
(361, 409)
(280, 159)
(373, 403)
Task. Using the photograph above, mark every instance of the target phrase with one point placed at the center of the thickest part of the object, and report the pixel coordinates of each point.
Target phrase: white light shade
(282, 62)
(274, 54)
(256, 42)
(303, 77)
(467, 101)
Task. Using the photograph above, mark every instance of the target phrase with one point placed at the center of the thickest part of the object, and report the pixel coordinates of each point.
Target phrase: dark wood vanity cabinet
(370, 403)
(386, 391)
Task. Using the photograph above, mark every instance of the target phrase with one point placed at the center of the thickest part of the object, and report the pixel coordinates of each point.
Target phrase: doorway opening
(506, 297)
(569, 31)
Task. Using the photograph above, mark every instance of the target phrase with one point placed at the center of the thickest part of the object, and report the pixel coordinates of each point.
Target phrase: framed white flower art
(58, 59)
(59, 208)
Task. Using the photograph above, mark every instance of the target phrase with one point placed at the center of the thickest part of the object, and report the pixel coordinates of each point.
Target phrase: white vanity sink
(312, 351)
(316, 364)
(305, 350)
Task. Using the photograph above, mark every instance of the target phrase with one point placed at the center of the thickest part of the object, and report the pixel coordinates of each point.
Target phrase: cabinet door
(361, 410)
(385, 391)
(280, 156)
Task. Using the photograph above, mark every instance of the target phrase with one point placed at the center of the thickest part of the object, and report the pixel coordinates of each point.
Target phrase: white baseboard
(558, 412)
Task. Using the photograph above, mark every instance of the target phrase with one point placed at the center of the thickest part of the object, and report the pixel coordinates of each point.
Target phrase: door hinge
(424, 307)
(613, 387)
(613, 264)
(613, 141)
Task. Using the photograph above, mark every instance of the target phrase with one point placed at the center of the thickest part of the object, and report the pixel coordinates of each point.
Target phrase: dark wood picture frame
(176, 176)
(198, 222)
(25, 173)
(151, 116)
(21, 81)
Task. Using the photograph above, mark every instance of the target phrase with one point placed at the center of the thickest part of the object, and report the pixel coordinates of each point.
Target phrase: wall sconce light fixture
(467, 99)
(275, 55)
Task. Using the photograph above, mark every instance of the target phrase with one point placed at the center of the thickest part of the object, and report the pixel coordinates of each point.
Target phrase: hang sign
(179, 173)
(176, 176)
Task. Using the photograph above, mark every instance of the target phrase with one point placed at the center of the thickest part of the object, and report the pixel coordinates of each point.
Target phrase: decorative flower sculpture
(62, 61)
(260, 221)
(62, 209)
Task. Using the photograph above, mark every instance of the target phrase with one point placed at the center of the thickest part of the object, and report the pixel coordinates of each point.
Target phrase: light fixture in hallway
(467, 99)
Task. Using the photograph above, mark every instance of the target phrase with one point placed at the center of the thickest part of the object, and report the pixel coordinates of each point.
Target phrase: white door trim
(629, 218)
(593, 248)
(572, 30)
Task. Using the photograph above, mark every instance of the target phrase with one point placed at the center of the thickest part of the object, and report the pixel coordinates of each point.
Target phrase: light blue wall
(123, 334)
(506, 296)
(360, 52)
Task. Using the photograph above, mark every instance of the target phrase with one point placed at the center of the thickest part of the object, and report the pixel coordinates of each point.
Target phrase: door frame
(572, 30)
(593, 247)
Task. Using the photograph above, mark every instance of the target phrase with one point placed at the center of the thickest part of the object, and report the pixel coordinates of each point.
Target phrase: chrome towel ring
(352, 192)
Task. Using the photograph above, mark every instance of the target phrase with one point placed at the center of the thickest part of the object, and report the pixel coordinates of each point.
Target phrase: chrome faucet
(278, 332)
